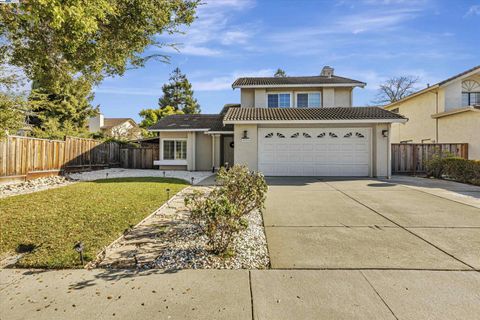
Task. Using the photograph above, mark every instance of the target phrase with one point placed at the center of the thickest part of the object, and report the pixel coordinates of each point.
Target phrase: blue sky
(367, 40)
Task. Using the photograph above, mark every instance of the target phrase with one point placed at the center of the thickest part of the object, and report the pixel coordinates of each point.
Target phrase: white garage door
(314, 151)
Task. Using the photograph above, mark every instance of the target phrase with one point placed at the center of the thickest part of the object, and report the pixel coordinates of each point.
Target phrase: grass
(47, 224)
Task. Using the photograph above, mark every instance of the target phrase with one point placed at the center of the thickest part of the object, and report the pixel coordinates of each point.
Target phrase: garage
(315, 151)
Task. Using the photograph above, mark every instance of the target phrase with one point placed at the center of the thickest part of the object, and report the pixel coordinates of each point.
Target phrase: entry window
(174, 149)
(278, 100)
(309, 100)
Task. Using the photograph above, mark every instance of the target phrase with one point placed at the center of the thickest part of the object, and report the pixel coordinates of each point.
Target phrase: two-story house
(447, 112)
(284, 126)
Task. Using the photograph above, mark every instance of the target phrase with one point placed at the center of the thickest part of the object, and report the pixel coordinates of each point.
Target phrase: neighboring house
(284, 126)
(118, 128)
(447, 112)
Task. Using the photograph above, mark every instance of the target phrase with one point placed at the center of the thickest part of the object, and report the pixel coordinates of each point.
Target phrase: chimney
(327, 71)
(96, 123)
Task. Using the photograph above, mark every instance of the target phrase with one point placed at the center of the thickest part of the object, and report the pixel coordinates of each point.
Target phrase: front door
(228, 150)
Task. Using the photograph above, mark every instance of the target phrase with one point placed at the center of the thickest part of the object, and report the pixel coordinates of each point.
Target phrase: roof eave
(347, 84)
(453, 112)
(344, 121)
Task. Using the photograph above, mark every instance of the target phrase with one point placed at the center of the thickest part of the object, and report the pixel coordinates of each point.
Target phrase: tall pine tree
(178, 93)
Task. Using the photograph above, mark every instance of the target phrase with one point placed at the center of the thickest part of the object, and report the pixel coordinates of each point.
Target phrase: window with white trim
(174, 150)
(309, 100)
(278, 100)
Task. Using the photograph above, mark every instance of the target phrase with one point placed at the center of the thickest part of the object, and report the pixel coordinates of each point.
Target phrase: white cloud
(213, 31)
(473, 10)
(225, 82)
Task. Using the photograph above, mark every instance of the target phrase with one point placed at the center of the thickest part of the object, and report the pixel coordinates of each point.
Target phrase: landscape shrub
(246, 189)
(454, 168)
(222, 213)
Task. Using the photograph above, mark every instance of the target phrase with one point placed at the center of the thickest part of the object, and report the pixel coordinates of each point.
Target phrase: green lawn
(95, 213)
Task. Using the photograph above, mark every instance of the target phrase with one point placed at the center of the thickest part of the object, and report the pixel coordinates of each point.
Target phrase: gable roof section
(113, 122)
(264, 82)
(339, 114)
(191, 122)
(435, 86)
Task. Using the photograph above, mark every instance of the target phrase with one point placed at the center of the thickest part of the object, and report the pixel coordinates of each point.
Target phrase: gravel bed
(127, 173)
(187, 249)
(7, 190)
(167, 239)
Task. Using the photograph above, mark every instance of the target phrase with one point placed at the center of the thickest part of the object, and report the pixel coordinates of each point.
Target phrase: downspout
(213, 152)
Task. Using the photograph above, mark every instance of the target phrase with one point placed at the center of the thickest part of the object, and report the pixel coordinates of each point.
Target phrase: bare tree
(280, 73)
(396, 88)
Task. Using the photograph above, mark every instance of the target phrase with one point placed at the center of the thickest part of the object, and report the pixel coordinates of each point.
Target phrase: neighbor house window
(470, 98)
(174, 149)
(278, 100)
(309, 100)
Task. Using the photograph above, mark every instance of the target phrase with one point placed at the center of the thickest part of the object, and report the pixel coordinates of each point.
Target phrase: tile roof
(209, 122)
(295, 114)
(293, 81)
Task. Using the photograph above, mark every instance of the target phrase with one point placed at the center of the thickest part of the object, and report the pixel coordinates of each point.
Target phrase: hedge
(457, 169)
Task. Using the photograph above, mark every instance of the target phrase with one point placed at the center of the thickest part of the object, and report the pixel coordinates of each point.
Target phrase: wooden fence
(410, 158)
(24, 158)
(139, 158)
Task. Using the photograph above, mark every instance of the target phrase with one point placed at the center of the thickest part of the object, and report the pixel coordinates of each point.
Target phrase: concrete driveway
(403, 223)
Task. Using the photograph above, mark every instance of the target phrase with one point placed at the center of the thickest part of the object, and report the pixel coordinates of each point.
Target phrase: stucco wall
(247, 98)
(203, 152)
(462, 128)
(420, 124)
(328, 97)
(331, 97)
(260, 98)
(343, 97)
(381, 151)
(245, 151)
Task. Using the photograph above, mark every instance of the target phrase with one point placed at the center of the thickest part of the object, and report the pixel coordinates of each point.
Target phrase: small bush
(221, 214)
(247, 190)
(458, 169)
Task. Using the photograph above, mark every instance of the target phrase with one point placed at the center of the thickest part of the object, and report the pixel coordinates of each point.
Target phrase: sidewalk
(232, 294)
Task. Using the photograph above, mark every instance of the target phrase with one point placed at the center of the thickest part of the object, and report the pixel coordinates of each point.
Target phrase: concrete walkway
(242, 294)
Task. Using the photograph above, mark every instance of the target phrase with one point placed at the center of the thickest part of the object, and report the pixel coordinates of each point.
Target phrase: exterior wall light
(245, 134)
(385, 133)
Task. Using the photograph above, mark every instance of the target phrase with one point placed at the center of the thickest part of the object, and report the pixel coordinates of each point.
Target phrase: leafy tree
(12, 113)
(178, 93)
(67, 47)
(55, 41)
(151, 116)
(280, 73)
(395, 89)
(65, 112)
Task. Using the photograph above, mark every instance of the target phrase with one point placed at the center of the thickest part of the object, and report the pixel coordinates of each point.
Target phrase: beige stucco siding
(343, 97)
(331, 97)
(420, 124)
(462, 128)
(203, 152)
(245, 151)
(247, 98)
(381, 151)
